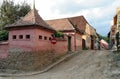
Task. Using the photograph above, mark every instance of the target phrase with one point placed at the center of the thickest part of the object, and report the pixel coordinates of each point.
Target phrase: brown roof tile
(61, 24)
(32, 18)
(79, 22)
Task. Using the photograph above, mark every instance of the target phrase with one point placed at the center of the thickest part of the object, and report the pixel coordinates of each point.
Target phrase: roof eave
(70, 30)
(19, 26)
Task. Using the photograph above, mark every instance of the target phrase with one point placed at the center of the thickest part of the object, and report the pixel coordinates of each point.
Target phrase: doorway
(69, 43)
(83, 44)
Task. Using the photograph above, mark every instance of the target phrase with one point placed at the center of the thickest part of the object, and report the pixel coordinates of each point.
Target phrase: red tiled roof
(79, 22)
(61, 24)
(32, 18)
(72, 23)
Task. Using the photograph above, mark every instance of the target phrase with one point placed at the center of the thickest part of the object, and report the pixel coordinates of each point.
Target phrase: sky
(98, 13)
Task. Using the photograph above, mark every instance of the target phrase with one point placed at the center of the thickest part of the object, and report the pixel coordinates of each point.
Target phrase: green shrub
(3, 35)
(58, 34)
(86, 48)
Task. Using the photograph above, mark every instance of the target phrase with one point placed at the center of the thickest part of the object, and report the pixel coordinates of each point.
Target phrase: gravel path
(85, 65)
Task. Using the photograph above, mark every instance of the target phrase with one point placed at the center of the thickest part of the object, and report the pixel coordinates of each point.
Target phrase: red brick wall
(24, 44)
(42, 44)
(78, 41)
(60, 47)
(34, 43)
(73, 42)
(4, 49)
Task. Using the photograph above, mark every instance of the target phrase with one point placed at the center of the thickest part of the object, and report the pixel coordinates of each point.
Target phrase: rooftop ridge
(31, 18)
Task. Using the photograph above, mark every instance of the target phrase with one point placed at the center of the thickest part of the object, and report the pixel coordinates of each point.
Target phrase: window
(40, 37)
(49, 38)
(14, 36)
(113, 30)
(27, 36)
(20, 36)
(45, 38)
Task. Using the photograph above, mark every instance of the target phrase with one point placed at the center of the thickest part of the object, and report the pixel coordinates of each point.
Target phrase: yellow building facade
(89, 36)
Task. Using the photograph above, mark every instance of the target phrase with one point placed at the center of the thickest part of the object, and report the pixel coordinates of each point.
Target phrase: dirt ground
(85, 65)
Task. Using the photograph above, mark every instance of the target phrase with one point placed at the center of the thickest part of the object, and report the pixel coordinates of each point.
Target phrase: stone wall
(27, 61)
(4, 49)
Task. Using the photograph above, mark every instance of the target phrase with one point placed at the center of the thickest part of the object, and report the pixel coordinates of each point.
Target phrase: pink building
(67, 28)
(82, 34)
(32, 33)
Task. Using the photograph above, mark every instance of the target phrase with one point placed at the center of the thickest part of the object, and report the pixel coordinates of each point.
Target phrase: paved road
(86, 65)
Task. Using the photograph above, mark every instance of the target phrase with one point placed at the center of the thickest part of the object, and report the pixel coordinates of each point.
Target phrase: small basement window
(40, 37)
(49, 38)
(14, 37)
(20, 36)
(45, 38)
(27, 36)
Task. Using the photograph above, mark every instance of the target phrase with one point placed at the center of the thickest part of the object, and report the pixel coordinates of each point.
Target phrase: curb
(40, 72)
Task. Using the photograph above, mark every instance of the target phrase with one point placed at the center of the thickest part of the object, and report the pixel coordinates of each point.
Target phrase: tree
(10, 12)
(3, 35)
(23, 9)
(106, 38)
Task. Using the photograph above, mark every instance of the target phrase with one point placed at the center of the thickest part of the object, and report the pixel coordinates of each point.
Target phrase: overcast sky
(99, 13)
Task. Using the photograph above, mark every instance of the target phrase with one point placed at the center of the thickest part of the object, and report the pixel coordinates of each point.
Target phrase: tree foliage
(103, 37)
(10, 12)
(3, 35)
